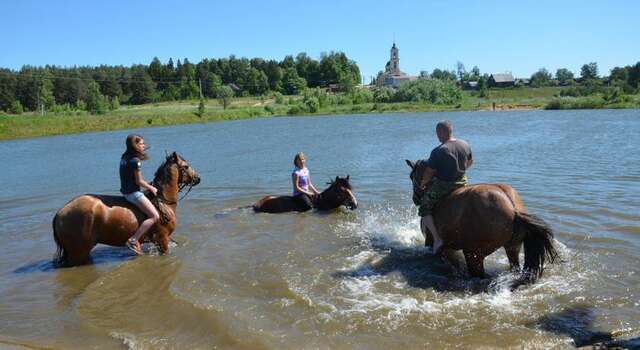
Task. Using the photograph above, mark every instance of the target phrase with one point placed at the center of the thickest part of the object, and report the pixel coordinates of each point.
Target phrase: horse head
(417, 173)
(341, 193)
(175, 171)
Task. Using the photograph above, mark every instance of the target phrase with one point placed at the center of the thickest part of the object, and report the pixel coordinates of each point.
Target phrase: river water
(344, 280)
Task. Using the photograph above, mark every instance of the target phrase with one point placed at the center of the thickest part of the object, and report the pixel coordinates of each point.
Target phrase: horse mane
(163, 172)
(161, 177)
(338, 181)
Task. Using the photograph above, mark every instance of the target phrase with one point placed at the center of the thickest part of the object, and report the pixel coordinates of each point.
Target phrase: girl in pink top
(303, 189)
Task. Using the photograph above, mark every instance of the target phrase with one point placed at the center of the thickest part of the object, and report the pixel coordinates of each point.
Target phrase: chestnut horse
(91, 219)
(338, 193)
(479, 219)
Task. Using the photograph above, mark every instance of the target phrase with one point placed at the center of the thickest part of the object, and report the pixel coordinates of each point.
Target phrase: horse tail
(60, 258)
(538, 246)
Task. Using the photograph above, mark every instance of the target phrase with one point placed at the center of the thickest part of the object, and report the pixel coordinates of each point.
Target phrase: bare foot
(134, 246)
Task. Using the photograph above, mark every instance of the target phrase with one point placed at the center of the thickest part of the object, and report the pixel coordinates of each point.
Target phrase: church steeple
(394, 61)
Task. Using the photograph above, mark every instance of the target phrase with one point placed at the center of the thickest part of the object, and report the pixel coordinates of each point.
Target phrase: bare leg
(428, 236)
(152, 217)
(427, 221)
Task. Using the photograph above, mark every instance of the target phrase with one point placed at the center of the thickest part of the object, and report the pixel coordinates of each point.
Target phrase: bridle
(182, 175)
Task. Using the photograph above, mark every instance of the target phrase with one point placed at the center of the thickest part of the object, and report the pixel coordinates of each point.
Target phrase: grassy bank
(184, 112)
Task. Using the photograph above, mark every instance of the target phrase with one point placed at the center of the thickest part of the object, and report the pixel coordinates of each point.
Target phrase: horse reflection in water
(337, 194)
(91, 219)
(479, 219)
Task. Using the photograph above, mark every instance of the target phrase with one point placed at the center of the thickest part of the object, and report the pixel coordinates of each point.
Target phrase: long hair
(131, 150)
(298, 159)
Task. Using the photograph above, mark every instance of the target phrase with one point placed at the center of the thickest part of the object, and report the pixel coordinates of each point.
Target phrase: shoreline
(15, 127)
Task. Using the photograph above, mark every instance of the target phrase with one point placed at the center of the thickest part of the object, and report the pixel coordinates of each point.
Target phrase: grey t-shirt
(450, 160)
(128, 167)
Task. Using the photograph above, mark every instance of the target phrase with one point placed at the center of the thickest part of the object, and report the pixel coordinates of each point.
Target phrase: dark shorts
(436, 191)
(304, 201)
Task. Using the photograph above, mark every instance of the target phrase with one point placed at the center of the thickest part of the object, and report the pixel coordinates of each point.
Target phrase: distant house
(333, 87)
(523, 82)
(396, 80)
(470, 85)
(501, 80)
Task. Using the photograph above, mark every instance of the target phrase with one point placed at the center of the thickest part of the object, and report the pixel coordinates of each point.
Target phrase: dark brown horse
(91, 219)
(338, 193)
(479, 219)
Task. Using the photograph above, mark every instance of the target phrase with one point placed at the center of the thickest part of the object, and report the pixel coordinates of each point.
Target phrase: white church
(392, 75)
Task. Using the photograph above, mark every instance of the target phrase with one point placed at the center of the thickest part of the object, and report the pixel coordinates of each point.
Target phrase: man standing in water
(446, 169)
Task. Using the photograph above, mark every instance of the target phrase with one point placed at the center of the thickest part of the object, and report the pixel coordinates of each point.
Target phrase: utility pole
(200, 83)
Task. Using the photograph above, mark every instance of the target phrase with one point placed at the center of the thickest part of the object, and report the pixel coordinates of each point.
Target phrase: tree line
(98, 89)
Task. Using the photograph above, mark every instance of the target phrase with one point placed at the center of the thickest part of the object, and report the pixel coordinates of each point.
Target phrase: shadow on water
(99, 256)
(420, 269)
(577, 323)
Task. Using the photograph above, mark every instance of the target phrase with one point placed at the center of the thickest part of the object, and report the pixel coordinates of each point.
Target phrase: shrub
(279, 98)
(312, 104)
(612, 95)
(359, 96)
(343, 100)
(433, 91)
(114, 103)
(16, 107)
(383, 95)
(270, 109)
(294, 109)
(576, 103)
(320, 94)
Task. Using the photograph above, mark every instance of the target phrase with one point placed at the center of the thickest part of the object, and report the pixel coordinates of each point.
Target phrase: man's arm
(469, 163)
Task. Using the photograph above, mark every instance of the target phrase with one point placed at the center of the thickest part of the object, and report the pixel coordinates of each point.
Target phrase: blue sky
(516, 36)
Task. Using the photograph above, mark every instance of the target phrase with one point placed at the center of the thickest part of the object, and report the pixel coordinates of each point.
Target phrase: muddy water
(344, 280)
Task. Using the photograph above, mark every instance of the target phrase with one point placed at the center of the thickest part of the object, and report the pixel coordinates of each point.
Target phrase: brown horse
(91, 219)
(338, 193)
(479, 219)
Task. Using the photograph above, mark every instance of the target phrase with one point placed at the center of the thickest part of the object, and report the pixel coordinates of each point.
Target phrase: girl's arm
(140, 182)
(296, 185)
(312, 187)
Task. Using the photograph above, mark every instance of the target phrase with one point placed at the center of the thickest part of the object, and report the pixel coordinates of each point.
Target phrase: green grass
(184, 112)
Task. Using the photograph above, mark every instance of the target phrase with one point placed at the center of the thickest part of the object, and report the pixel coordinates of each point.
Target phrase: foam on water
(385, 230)
(128, 340)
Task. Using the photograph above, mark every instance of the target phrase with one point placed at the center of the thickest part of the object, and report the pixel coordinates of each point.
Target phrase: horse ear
(174, 155)
(409, 163)
(166, 153)
(347, 177)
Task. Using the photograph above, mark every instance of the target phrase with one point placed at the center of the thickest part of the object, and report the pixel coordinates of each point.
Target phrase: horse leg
(475, 263)
(513, 254)
(79, 253)
(162, 240)
(453, 258)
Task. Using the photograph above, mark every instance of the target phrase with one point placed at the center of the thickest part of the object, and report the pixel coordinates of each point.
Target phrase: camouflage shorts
(436, 191)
